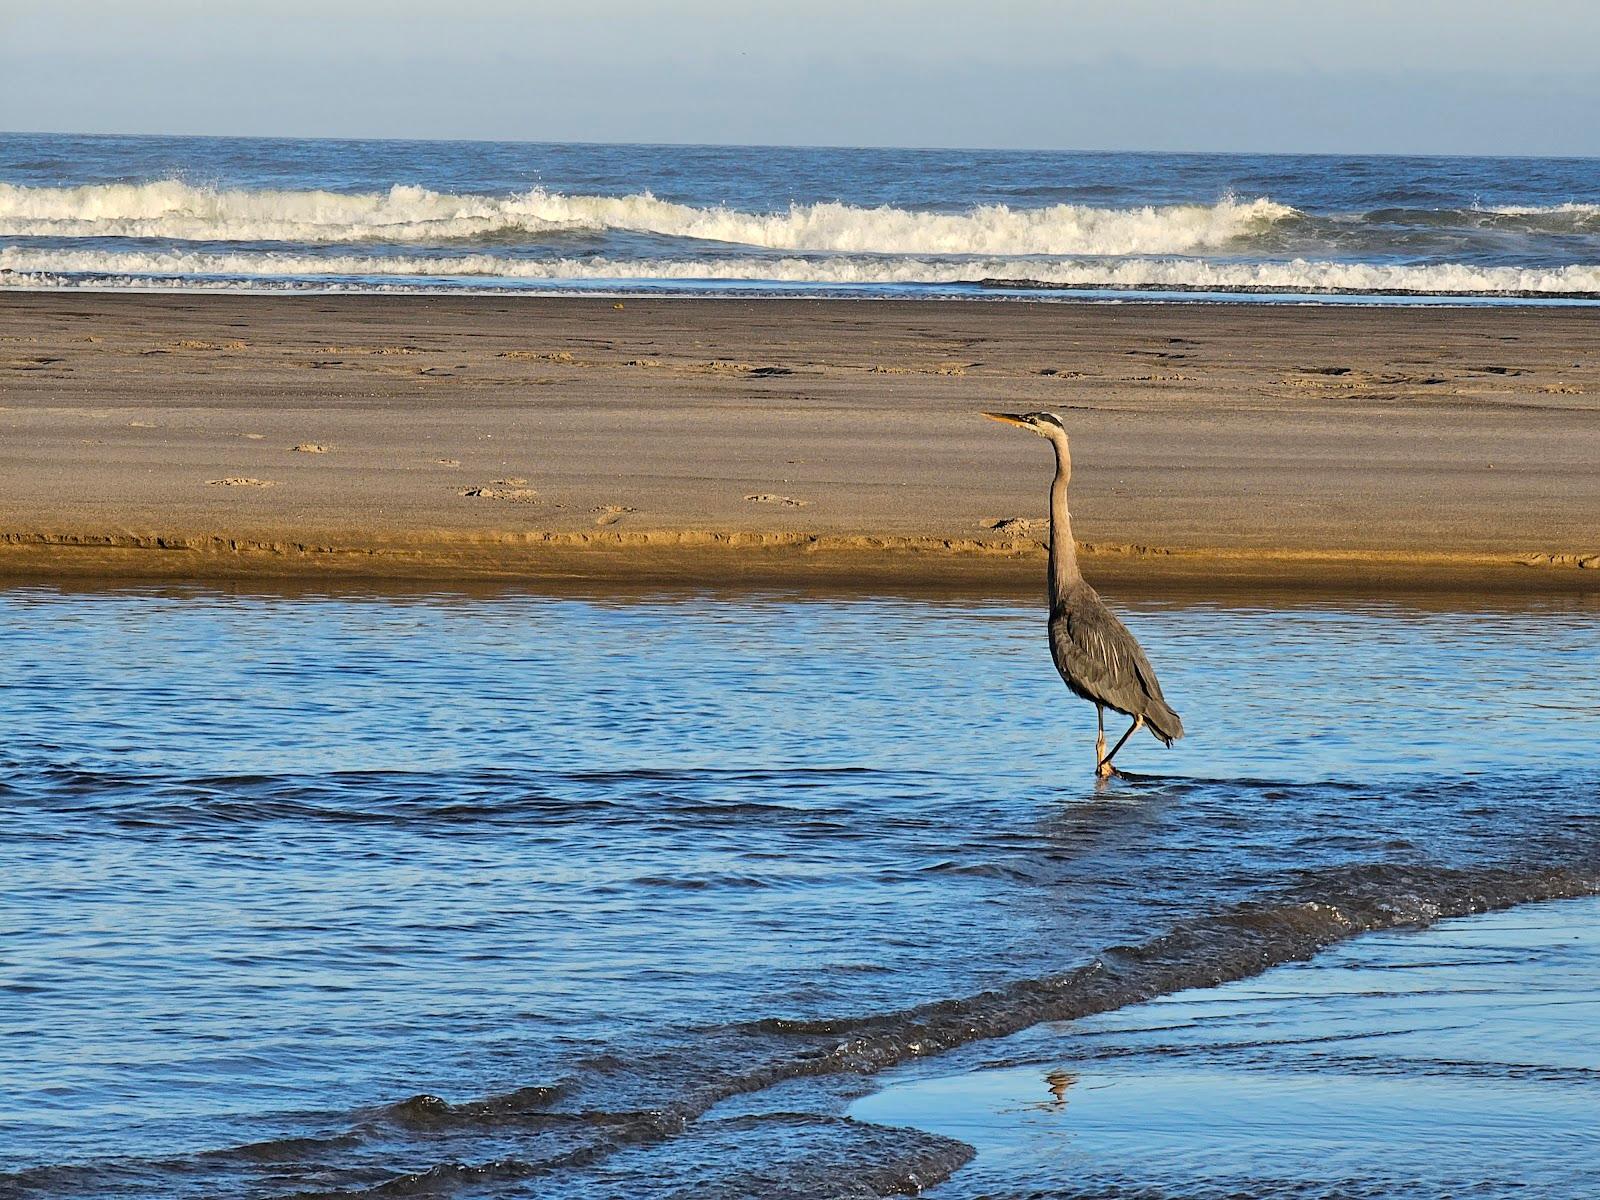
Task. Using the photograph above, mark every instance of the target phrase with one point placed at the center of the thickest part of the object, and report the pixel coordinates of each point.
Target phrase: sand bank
(794, 442)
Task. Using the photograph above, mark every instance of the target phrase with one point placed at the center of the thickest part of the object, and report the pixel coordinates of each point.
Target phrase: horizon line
(694, 145)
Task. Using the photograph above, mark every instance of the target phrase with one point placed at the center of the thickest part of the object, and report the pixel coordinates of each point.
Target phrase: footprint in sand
(502, 489)
(769, 498)
(380, 350)
(240, 481)
(1015, 527)
(549, 356)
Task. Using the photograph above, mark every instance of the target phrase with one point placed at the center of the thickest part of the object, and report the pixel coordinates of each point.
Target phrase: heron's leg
(1105, 768)
(1100, 734)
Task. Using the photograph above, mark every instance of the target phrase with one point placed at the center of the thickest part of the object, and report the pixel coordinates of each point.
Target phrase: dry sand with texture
(790, 442)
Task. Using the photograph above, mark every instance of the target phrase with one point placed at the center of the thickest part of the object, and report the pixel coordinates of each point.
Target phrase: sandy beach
(792, 442)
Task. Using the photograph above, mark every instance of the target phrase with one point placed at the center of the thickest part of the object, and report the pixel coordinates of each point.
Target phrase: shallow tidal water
(1455, 1060)
(499, 894)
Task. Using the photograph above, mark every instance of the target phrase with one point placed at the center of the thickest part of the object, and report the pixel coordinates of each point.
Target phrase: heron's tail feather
(1163, 722)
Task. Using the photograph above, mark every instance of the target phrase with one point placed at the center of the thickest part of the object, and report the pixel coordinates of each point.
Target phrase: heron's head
(1045, 424)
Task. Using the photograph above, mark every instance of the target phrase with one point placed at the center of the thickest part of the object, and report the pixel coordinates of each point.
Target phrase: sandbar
(795, 442)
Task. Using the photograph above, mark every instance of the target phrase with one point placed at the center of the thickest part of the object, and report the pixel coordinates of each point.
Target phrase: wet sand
(794, 442)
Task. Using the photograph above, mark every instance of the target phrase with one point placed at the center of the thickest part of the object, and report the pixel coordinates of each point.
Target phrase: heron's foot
(1105, 770)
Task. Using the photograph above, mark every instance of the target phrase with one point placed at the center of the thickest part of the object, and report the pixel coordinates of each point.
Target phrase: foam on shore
(271, 270)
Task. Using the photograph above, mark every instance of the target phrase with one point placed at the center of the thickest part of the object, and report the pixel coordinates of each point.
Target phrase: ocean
(295, 214)
(323, 893)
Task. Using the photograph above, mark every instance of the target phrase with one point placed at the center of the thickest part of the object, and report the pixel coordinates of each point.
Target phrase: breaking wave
(265, 269)
(172, 210)
(410, 238)
(1573, 216)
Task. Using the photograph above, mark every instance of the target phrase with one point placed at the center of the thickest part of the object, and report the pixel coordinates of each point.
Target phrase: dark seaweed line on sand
(1326, 907)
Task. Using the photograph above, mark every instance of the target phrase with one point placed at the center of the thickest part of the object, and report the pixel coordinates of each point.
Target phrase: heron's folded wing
(1095, 652)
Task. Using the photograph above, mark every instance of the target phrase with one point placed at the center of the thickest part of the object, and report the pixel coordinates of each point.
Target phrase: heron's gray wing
(1098, 657)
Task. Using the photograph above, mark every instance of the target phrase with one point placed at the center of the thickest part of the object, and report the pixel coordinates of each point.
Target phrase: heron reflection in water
(1096, 655)
(1059, 1084)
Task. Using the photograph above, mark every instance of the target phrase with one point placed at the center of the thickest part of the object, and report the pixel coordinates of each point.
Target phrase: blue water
(1453, 1061)
(500, 894)
(403, 215)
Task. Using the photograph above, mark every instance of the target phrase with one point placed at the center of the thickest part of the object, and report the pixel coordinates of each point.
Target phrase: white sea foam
(1571, 218)
(40, 267)
(1540, 210)
(175, 211)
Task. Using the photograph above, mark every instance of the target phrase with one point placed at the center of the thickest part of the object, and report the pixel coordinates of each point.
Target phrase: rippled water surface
(1458, 1060)
(510, 895)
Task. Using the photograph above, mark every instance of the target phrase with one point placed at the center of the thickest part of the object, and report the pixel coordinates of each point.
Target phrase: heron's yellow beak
(1008, 419)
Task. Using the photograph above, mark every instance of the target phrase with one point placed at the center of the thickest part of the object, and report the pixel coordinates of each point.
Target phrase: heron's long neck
(1063, 552)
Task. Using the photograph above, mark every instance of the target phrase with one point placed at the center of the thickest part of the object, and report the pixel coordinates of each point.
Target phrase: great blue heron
(1094, 651)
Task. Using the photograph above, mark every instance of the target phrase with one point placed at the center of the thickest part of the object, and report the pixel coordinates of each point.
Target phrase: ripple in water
(502, 894)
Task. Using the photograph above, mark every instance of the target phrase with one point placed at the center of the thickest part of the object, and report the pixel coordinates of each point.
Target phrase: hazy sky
(1426, 76)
